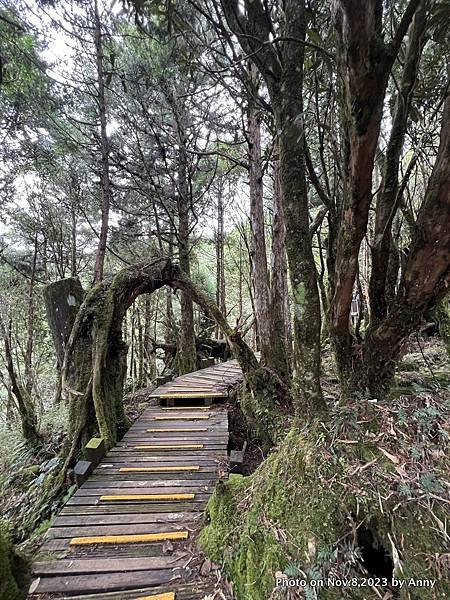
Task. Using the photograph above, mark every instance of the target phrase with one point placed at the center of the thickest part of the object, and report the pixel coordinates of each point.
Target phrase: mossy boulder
(13, 568)
(304, 512)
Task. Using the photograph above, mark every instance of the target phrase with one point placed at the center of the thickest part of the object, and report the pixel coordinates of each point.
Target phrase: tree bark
(282, 70)
(260, 273)
(387, 200)
(220, 258)
(23, 399)
(186, 357)
(426, 277)
(104, 148)
(62, 299)
(279, 316)
(365, 62)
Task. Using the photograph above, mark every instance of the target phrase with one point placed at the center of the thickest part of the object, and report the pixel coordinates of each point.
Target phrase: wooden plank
(181, 408)
(184, 591)
(89, 505)
(139, 437)
(148, 483)
(183, 417)
(201, 458)
(101, 583)
(188, 395)
(159, 469)
(179, 430)
(116, 529)
(166, 596)
(108, 565)
(103, 551)
(140, 497)
(124, 517)
(170, 447)
(129, 539)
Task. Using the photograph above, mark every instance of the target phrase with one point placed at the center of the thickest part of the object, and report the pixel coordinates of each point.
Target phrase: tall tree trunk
(365, 62)
(282, 68)
(220, 259)
(387, 200)
(278, 317)
(187, 352)
(288, 110)
(260, 273)
(23, 399)
(29, 376)
(426, 276)
(104, 147)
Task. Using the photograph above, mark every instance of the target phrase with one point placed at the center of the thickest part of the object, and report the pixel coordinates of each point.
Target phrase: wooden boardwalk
(210, 383)
(129, 531)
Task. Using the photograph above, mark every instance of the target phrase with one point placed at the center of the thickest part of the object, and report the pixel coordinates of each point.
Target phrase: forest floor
(414, 436)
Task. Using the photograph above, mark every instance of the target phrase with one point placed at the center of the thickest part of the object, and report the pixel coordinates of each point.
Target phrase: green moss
(443, 318)
(12, 568)
(300, 510)
(94, 443)
(259, 400)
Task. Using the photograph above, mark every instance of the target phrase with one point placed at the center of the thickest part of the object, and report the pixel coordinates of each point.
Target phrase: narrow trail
(129, 532)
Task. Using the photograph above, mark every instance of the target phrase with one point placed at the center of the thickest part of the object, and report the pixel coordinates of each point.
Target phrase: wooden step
(108, 565)
(159, 469)
(185, 407)
(143, 497)
(177, 430)
(166, 596)
(182, 417)
(129, 539)
(169, 447)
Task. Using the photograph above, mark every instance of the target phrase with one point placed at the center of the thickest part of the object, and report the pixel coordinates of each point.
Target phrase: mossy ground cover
(380, 470)
(13, 568)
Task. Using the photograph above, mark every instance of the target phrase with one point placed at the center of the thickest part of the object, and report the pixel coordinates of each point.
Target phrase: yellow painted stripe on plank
(142, 497)
(170, 447)
(177, 430)
(183, 417)
(165, 596)
(129, 539)
(158, 469)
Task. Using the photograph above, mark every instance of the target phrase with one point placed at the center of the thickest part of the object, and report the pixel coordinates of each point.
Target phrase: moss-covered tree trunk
(282, 69)
(94, 365)
(443, 319)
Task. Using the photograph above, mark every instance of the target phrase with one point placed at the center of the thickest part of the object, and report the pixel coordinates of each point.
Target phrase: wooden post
(95, 450)
(82, 470)
(237, 459)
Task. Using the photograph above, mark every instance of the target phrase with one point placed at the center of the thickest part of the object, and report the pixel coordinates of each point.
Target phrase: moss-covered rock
(304, 512)
(13, 568)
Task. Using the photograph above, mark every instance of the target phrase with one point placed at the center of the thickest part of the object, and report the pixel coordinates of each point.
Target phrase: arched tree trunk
(94, 366)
